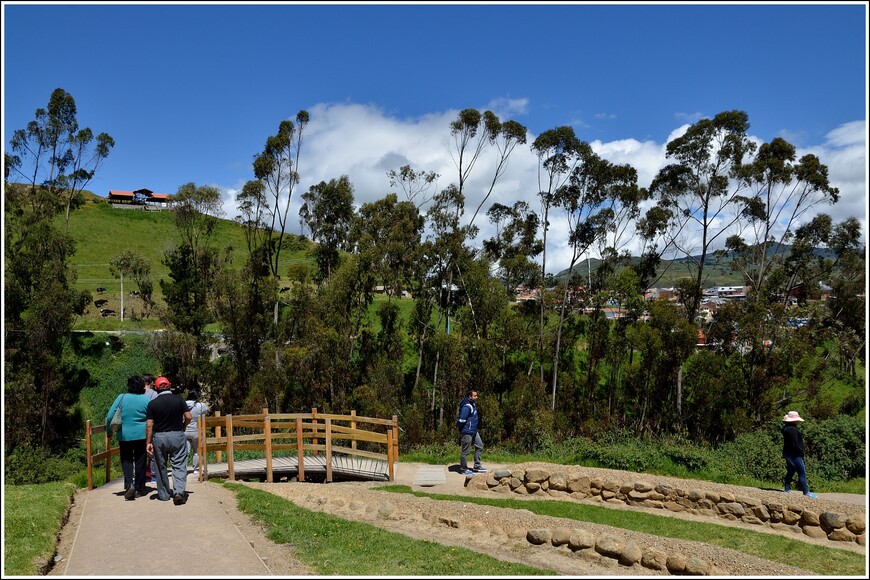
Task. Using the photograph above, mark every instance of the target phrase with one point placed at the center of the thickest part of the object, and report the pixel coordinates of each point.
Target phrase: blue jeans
(796, 465)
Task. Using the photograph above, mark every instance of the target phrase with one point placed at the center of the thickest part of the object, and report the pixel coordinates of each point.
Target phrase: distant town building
(144, 199)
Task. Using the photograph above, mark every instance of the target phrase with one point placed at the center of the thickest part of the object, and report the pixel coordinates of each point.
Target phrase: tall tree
(557, 150)
(700, 187)
(277, 167)
(781, 193)
(131, 264)
(328, 212)
(596, 193)
(53, 153)
(416, 184)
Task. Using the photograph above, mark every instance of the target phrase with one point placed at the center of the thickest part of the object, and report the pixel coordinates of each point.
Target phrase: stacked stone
(779, 515)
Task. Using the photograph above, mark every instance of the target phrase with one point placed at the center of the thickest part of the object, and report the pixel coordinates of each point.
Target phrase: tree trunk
(122, 296)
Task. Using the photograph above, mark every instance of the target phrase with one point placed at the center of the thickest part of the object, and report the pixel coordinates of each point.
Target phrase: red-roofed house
(139, 199)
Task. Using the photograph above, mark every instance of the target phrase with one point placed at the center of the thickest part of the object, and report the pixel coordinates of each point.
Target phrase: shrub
(835, 448)
(29, 465)
(757, 454)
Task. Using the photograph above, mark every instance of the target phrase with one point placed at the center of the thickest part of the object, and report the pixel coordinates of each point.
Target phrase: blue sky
(191, 92)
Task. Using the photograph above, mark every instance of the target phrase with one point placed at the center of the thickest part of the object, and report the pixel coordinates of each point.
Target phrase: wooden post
(200, 444)
(217, 433)
(300, 463)
(390, 458)
(353, 426)
(229, 437)
(267, 434)
(108, 454)
(314, 429)
(395, 438)
(329, 451)
(90, 455)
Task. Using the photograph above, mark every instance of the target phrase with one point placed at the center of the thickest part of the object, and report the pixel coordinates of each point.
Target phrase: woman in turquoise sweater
(131, 436)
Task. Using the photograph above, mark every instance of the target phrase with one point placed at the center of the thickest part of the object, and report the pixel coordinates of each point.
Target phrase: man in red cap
(165, 421)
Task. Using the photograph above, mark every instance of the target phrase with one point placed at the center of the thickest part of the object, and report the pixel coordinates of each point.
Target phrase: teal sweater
(133, 408)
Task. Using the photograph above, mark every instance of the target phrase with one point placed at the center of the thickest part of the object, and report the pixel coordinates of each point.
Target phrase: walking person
(793, 453)
(131, 436)
(151, 466)
(167, 418)
(468, 423)
(191, 434)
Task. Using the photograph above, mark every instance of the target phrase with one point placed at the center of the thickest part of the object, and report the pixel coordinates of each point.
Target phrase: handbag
(116, 419)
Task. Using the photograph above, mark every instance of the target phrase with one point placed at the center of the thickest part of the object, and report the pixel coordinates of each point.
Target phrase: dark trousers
(133, 459)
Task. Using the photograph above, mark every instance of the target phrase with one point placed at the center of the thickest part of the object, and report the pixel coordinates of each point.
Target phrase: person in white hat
(793, 453)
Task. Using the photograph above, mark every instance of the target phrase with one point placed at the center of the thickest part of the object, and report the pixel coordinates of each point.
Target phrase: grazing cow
(284, 289)
(134, 293)
(100, 303)
(100, 290)
(105, 312)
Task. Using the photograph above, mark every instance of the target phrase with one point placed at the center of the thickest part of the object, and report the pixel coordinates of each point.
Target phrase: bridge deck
(344, 467)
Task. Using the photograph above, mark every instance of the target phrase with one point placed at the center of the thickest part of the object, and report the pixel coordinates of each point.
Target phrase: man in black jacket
(165, 421)
(793, 453)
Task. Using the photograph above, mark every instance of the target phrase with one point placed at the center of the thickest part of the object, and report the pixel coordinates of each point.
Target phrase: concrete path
(194, 539)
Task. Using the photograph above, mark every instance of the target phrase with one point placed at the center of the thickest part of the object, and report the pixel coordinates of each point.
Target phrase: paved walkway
(194, 539)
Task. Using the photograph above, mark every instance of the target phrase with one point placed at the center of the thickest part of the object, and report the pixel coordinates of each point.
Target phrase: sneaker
(130, 494)
(787, 489)
(154, 480)
(180, 499)
(466, 472)
(480, 469)
(811, 494)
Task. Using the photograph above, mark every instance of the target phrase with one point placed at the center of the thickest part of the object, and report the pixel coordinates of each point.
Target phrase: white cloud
(364, 142)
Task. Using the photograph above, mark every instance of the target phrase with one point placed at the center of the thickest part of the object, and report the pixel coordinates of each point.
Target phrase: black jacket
(792, 441)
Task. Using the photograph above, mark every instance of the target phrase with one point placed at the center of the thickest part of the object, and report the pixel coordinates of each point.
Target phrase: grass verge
(771, 547)
(333, 546)
(32, 519)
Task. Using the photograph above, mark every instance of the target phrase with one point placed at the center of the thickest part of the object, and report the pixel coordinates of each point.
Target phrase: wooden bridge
(316, 446)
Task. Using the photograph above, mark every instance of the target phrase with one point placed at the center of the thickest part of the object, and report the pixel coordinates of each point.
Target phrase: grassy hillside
(102, 232)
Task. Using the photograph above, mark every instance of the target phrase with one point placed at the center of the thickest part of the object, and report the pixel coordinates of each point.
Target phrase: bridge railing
(303, 433)
(95, 457)
(312, 432)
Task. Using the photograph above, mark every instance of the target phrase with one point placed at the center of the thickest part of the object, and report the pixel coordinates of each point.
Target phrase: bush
(29, 465)
(835, 448)
(757, 454)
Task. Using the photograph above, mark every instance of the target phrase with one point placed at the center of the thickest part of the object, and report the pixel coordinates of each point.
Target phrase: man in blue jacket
(467, 424)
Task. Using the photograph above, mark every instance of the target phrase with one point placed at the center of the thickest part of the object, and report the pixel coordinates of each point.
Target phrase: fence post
(108, 454)
(300, 463)
(353, 426)
(217, 433)
(90, 454)
(390, 458)
(314, 429)
(200, 444)
(230, 453)
(267, 434)
(396, 438)
(329, 451)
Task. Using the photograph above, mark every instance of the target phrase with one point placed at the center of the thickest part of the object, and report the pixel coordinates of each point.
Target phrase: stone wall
(779, 515)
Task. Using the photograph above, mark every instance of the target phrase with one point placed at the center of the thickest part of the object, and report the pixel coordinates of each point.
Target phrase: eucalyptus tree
(782, 191)
(134, 265)
(700, 188)
(415, 184)
(277, 167)
(598, 194)
(557, 150)
(386, 235)
(52, 152)
(514, 245)
(328, 212)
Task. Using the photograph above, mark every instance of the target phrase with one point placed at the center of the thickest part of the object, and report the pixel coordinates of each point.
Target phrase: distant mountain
(670, 271)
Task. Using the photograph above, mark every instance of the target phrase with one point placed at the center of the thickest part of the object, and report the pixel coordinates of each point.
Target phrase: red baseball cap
(162, 383)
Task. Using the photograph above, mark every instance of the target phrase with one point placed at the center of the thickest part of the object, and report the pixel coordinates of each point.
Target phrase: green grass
(102, 232)
(31, 522)
(332, 546)
(819, 559)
